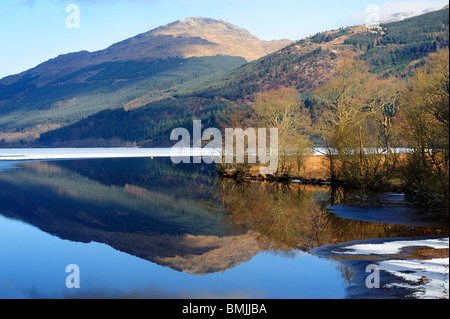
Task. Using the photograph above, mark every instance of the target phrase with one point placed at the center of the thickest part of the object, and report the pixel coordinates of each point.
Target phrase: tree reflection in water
(287, 216)
(182, 217)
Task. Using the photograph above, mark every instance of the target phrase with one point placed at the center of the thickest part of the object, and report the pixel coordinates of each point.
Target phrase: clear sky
(33, 31)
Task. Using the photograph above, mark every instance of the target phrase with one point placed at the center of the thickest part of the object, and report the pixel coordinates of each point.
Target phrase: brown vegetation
(360, 118)
(28, 134)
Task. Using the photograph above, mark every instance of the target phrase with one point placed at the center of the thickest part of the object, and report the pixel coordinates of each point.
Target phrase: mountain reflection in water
(179, 216)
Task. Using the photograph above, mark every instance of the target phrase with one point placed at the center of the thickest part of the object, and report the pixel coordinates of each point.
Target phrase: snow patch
(394, 247)
(427, 278)
(24, 154)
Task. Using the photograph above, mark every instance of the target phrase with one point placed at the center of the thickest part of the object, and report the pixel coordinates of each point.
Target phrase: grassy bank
(314, 169)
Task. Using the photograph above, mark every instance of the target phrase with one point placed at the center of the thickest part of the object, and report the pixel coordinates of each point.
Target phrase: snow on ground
(435, 286)
(82, 153)
(436, 283)
(24, 154)
(325, 151)
(394, 247)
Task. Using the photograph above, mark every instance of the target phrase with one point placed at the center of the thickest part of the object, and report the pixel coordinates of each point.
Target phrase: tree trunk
(361, 152)
(386, 134)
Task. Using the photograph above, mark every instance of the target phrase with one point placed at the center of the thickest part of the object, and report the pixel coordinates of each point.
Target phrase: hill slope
(199, 37)
(181, 39)
(128, 74)
(394, 49)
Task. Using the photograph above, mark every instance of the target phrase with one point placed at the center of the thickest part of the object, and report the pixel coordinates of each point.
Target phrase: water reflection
(294, 216)
(178, 216)
(152, 209)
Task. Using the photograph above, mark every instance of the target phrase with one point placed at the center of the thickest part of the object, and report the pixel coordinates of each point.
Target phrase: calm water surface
(146, 228)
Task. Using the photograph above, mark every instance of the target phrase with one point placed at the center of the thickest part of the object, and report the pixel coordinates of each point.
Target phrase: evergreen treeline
(106, 86)
(244, 81)
(152, 123)
(393, 46)
(325, 37)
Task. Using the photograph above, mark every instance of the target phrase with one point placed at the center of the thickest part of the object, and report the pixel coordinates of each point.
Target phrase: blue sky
(33, 31)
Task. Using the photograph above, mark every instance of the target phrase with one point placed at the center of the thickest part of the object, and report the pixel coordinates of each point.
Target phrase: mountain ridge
(186, 38)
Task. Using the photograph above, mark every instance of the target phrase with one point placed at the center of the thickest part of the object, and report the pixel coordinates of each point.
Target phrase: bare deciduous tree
(284, 109)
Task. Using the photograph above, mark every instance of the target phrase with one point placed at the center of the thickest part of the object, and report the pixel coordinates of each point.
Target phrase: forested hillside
(394, 49)
(393, 46)
(111, 85)
(146, 126)
(148, 67)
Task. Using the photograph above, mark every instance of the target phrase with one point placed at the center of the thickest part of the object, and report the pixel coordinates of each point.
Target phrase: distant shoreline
(314, 170)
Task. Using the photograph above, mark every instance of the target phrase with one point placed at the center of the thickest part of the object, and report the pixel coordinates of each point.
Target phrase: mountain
(128, 74)
(192, 37)
(392, 49)
(400, 16)
(132, 108)
(198, 37)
